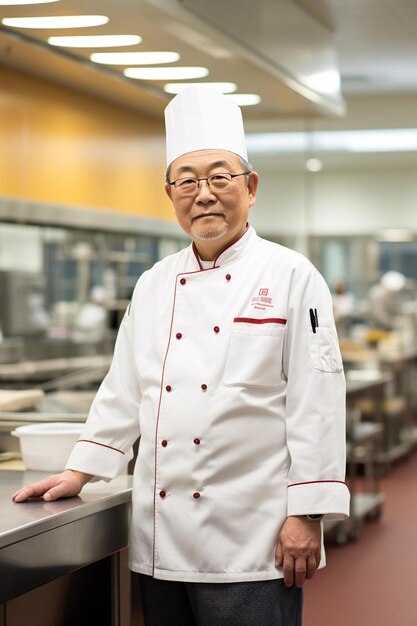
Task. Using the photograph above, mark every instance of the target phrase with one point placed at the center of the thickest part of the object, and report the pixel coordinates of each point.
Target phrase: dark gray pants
(258, 603)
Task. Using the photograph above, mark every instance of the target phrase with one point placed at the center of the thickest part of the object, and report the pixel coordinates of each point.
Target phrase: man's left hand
(298, 549)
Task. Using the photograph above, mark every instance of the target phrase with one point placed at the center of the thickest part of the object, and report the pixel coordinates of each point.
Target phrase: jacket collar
(229, 254)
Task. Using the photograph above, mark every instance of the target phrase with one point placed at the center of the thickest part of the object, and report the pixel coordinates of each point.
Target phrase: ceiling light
(314, 165)
(95, 41)
(134, 58)
(20, 2)
(327, 82)
(395, 140)
(395, 235)
(389, 140)
(245, 99)
(56, 21)
(178, 87)
(166, 73)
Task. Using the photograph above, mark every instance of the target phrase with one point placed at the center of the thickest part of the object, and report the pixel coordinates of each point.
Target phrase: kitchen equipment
(18, 400)
(22, 305)
(46, 447)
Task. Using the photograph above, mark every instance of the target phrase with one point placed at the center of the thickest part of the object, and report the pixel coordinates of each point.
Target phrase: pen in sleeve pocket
(313, 320)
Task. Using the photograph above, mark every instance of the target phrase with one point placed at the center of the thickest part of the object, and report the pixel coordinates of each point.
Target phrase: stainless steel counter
(41, 541)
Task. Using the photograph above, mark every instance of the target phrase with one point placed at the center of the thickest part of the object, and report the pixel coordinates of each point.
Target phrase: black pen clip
(316, 317)
(313, 320)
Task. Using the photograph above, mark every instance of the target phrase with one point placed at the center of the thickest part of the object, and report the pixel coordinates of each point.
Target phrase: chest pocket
(324, 347)
(254, 356)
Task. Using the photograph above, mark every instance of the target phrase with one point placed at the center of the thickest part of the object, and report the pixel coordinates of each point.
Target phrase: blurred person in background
(385, 300)
(90, 322)
(344, 307)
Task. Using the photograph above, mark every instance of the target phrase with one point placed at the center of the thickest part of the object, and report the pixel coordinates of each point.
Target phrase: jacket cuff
(99, 460)
(330, 497)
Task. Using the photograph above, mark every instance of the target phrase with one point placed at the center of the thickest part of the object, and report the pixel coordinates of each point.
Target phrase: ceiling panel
(239, 41)
(167, 25)
(377, 45)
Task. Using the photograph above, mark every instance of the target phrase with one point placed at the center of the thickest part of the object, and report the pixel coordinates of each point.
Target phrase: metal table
(41, 542)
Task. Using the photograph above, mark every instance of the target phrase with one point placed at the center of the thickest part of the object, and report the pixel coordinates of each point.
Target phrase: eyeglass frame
(206, 178)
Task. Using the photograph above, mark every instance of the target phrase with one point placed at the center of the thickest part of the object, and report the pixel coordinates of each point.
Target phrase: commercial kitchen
(328, 94)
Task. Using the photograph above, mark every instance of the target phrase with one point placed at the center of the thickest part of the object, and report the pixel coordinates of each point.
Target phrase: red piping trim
(157, 421)
(311, 482)
(194, 248)
(266, 320)
(100, 444)
(232, 244)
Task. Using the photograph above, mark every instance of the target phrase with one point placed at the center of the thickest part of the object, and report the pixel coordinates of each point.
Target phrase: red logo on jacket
(261, 301)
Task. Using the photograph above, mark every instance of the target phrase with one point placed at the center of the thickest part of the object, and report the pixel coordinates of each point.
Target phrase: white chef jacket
(239, 406)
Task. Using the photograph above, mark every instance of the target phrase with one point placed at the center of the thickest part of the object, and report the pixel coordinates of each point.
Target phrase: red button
(168, 388)
(228, 277)
(197, 441)
(164, 443)
(162, 494)
(183, 281)
(204, 386)
(196, 495)
(216, 329)
(178, 335)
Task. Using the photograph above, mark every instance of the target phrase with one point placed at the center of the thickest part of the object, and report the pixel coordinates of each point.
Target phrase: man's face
(209, 215)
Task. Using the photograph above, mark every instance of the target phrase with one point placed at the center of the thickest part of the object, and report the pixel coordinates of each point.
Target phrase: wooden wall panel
(59, 146)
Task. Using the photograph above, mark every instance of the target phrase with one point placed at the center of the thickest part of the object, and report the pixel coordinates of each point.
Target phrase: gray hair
(246, 166)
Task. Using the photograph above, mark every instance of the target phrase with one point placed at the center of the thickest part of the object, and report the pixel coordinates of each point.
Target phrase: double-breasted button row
(216, 329)
(184, 280)
(164, 442)
(168, 388)
(196, 494)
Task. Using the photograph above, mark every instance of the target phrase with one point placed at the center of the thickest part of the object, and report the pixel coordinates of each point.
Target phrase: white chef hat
(393, 281)
(200, 118)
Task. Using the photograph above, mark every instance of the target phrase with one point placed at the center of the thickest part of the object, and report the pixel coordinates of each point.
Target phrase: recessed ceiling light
(134, 58)
(166, 73)
(327, 82)
(95, 41)
(20, 2)
(56, 21)
(178, 87)
(314, 165)
(245, 99)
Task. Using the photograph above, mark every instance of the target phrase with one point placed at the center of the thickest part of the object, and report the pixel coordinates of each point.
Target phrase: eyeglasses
(216, 182)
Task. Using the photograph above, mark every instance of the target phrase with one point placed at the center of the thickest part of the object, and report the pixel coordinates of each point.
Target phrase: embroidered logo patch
(262, 301)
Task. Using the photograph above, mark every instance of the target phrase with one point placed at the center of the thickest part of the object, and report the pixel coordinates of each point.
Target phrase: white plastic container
(46, 447)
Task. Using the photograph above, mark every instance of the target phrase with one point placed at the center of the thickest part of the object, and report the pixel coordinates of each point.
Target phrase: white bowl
(46, 447)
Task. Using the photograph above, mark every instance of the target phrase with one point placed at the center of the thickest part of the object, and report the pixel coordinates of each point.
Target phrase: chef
(227, 367)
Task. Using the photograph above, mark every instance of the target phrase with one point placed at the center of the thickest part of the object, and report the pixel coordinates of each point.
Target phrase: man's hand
(68, 483)
(298, 549)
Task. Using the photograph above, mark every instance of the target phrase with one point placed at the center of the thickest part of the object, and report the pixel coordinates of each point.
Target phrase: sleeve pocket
(324, 347)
